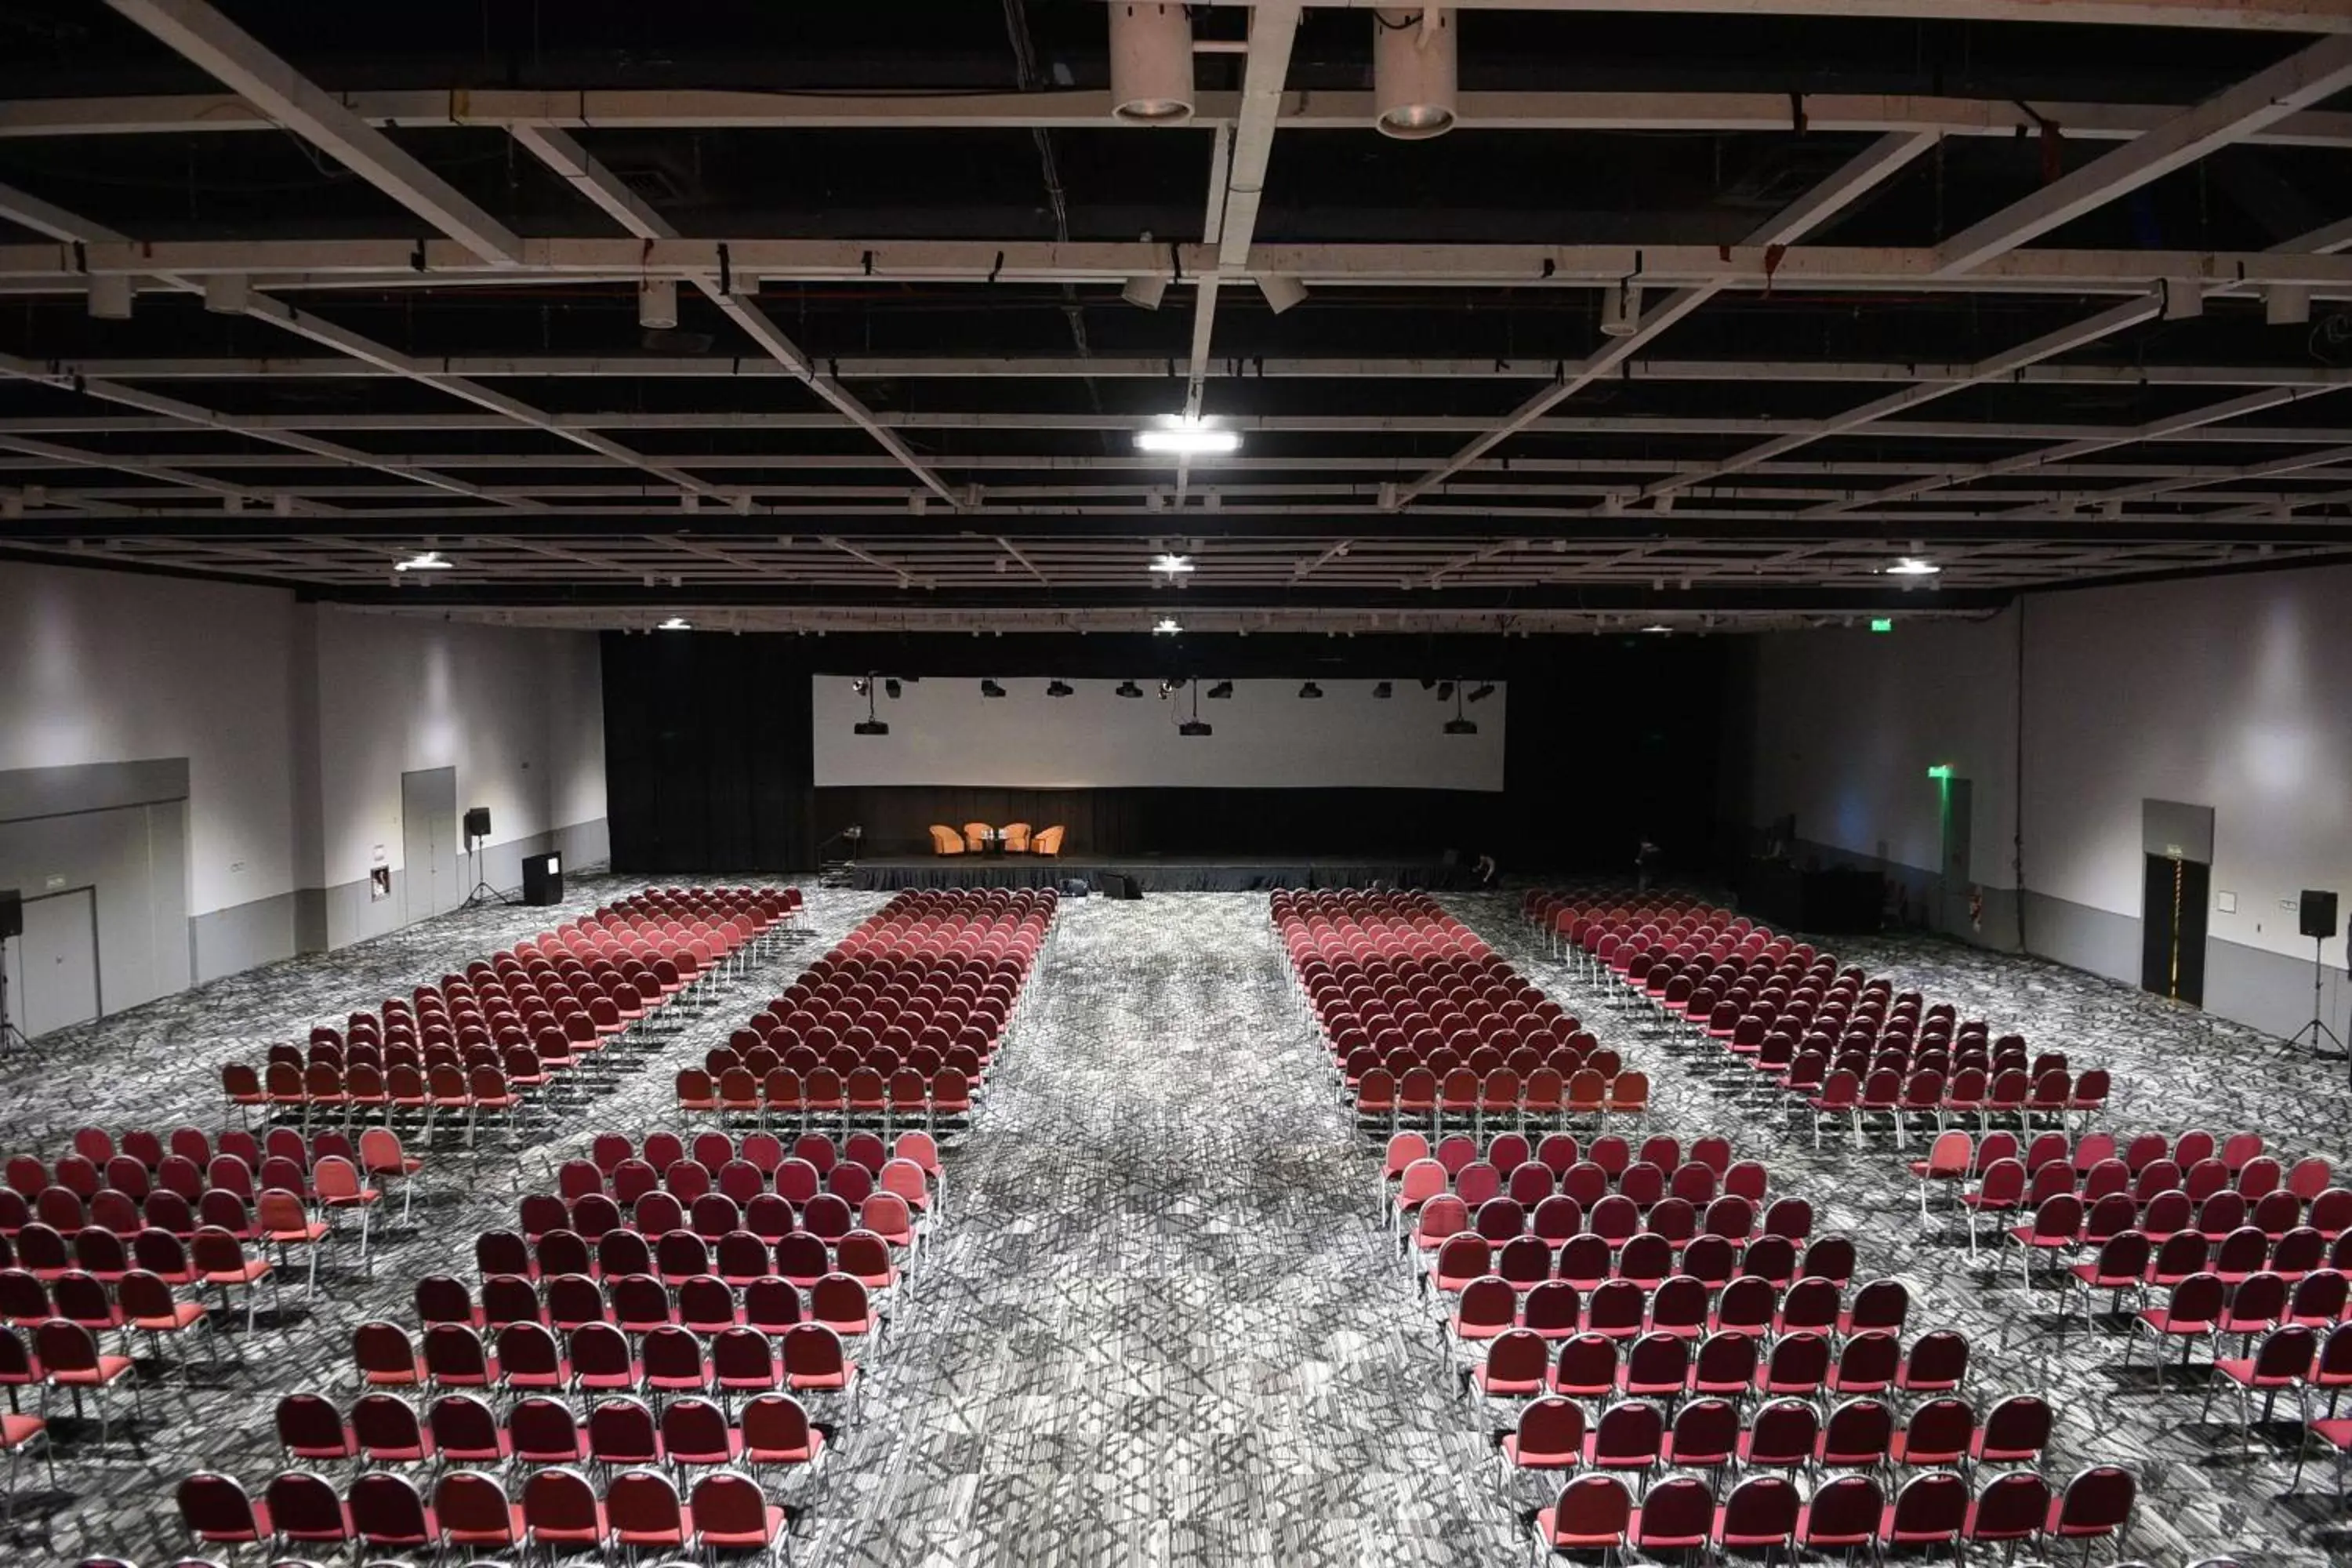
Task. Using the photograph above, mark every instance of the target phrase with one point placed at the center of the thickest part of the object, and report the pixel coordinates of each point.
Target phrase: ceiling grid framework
(1587, 362)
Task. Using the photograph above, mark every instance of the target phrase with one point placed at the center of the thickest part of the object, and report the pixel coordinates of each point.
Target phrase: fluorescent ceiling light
(1172, 565)
(1166, 627)
(425, 560)
(675, 623)
(1912, 566)
(1187, 438)
(1657, 628)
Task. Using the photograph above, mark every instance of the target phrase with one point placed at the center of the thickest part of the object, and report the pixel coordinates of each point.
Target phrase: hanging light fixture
(1151, 63)
(1413, 71)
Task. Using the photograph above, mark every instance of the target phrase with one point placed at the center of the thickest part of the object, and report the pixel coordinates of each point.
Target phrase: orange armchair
(1016, 839)
(946, 841)
(973, 833)
(1047, 841)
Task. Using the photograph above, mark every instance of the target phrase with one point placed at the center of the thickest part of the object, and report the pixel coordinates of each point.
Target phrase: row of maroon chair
(559, 1511)
(771, 1430)
(676, 1254)
(767, 1219)
(662, 1359)
(817, 1291)
(1487, 1305)
(942, 1097)
(513, 1023)
(1634, 1437)
(797, 1176)
(1848, 1513)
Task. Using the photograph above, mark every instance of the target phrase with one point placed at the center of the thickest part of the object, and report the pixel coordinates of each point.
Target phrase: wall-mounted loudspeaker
(478, 822)
(2316, 913)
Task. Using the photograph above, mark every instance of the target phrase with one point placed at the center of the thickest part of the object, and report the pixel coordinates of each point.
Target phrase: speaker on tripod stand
(2316, 918)
(11, 926)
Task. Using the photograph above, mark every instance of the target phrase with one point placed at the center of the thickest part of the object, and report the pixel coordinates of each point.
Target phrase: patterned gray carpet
(1163, 1322)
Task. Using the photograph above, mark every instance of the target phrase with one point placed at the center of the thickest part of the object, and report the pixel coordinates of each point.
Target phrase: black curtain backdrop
(710, 763)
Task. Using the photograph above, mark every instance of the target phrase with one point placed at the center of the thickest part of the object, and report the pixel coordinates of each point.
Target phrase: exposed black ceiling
(903, 387)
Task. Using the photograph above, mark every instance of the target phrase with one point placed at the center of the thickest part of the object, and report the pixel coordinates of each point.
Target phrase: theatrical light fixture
(1188, 438)
(1912, 566)
(1310, 691)
(1172, 565)
(1458, 724)
(423, 561)
(1129, 689)
(891, 689)
(990, 688)
(1445, 691)
(1413, 71)
(1482, 691)
(1222, 690)
(658, 303)
(1281, 290)
(1383, 690)
(1166, 627)
(861, 684)
(1428, 683)
(1621, 310)
(1151, 63)
(1058, 688)
(1144, 291)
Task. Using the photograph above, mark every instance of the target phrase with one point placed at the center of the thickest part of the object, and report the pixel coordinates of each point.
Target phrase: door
(2172, 928)
(428, 841)
(1959, 824)
(53, 967)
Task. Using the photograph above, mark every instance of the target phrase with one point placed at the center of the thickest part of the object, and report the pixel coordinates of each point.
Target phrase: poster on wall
(380, 876)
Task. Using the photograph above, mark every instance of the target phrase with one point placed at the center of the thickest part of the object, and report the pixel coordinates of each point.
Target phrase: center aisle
(1164, 1323)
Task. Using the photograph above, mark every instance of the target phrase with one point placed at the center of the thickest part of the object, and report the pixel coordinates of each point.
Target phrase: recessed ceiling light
(1167, 625)
(425, 560)
(1172, 565)
(1187, 438)
(675, 623)
(1912, 566)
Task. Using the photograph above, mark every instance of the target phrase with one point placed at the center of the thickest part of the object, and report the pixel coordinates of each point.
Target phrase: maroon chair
(776, 1431)
(217, 1513)
(1845, 1515)
(2097, 1502)
(1761, 1513)
(1931, 1510)
(1592, 1513)
(386, 1512)
(642, 1511)
(1550, 1436)
(473, 1512)
(305, 1509)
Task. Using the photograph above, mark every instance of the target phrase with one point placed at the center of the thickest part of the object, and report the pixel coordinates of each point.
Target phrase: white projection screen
(943, 732)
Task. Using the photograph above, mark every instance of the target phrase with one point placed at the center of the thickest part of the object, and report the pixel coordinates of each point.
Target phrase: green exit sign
(1882, 624)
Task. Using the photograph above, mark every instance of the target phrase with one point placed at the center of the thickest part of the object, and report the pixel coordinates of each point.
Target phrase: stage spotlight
(891, 689)
(1413, 71)
(990, 688)
(1058, 688)
(1445, 691)
(1151, 63)
(862, 684)
(1222, 690)
(1129, 689)
(1482, 691)
(1427, 684)
(1383, 690)
(1310, 691)
(1282, 291)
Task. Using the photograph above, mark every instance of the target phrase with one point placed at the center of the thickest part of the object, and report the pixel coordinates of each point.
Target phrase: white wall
(1848, 723)
(2232, 692)
(107, 667)
(942, 731)
(296, 722)
(517, 713)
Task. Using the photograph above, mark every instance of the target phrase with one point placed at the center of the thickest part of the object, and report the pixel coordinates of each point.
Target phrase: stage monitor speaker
(542, 879)
(11, 913)
(478, 822)
(2317, 913)
(1115, 886)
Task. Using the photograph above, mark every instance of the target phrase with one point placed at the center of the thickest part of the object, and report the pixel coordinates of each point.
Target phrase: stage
(1154, 873)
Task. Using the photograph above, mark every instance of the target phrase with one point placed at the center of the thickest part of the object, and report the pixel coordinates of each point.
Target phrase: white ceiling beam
(76, 457)
(268, 426)
(1888, 156)
(665, 109)
(895, 367)
(403, 263)
(610, 193)
(1238, 184)
(218, 46)
(2305, 78)
(2237, 16)
(2066, 339)
(2280, 467)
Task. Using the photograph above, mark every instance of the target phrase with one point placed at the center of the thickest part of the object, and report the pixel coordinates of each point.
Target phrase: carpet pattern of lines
(1163, 1323)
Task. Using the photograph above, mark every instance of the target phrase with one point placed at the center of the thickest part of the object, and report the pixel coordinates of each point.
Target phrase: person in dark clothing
(1645, 863)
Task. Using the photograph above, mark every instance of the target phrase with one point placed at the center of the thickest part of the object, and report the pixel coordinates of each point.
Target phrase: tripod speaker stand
(478, 828)
(11, 925)
(2317, 913)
